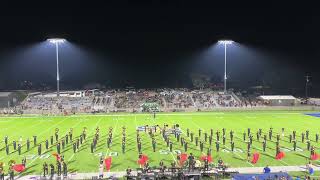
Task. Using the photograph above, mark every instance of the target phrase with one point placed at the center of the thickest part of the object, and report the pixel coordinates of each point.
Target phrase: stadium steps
(194, 103)
(236, 97)
(164, 102)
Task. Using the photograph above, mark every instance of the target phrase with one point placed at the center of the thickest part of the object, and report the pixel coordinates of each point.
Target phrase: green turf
(84, 161)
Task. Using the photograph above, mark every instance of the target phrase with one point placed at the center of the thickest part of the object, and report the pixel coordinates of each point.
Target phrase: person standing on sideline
(65, 170)
(11, 173)
(51, 170)
(1, 173)
(101, 171)
(266, 169)
(45, 169)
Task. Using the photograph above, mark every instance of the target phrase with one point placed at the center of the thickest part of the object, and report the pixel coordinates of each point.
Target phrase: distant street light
(57, 41)
(307, 84)
(225, 43)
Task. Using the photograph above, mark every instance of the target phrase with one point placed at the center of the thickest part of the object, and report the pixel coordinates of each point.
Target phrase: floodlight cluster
(56, 40)
(225, 42)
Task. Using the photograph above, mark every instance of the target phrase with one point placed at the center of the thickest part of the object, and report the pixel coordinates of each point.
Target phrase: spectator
(101, 171)
(311, 170)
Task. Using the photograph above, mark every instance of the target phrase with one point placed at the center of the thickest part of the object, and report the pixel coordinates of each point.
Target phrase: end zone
(317, 114)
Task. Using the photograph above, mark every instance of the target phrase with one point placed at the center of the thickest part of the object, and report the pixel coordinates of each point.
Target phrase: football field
(84, 161)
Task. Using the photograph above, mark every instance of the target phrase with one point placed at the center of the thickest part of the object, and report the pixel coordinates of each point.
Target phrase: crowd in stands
(133, 100)
(250, 100)
(314, 101)
(10, 111)
(177, 98)
(55, 105)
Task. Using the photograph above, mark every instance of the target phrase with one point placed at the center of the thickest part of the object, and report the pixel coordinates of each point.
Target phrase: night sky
(148, 44)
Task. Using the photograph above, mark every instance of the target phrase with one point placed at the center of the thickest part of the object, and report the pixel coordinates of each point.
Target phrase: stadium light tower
(56, 42)
(225, 43)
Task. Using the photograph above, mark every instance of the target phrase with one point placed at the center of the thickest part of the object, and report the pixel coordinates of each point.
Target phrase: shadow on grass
(70, 162)
(115, 165)
(301, 155)
(27, 173)
(73, 170)
(270, 156)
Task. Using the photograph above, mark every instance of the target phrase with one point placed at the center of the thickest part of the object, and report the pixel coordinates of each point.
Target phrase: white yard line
(262, 151)
(19, 132)
(244, 159)
(97, 123)
(71, 157)
(175, 160)
(113, 132)
(43, 133)
(224, 146)
(28, 164)
(238, 155)
(260, 148)
(49, 128)
(195, 124)
(116, 126)
(160, 114)
(79, 122)
(16, 127)
(75, 125)
(128, 114)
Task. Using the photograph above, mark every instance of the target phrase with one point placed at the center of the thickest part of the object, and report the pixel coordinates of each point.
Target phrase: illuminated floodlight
(225, 42)
(56, 40)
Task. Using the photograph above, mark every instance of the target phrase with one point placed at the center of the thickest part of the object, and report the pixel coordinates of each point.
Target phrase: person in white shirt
(101, 171)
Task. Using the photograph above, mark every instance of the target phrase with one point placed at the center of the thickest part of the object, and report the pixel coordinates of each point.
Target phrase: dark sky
(159, 43)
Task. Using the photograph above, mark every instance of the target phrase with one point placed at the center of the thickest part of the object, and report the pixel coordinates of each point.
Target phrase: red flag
(143, 159)
(280, 155)
(58, 157)
(315, 156)
(209, 158)
(255, 158)
(140, 161)
(183, 158)
(18, 167)
(108, 162)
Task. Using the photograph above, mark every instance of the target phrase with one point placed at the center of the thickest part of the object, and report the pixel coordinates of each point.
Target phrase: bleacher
(131, 100)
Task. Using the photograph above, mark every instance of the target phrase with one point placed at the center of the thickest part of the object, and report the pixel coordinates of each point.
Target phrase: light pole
(56, 42)
(307, 83)
(225, 43)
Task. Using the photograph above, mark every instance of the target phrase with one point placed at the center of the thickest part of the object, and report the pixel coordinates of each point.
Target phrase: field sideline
(84, 161)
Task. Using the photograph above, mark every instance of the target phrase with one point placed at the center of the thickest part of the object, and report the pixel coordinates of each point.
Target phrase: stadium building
(279, 100)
